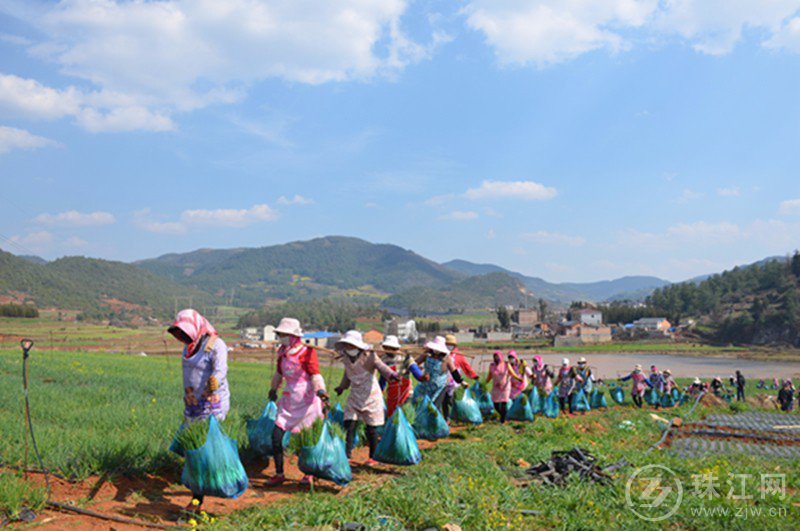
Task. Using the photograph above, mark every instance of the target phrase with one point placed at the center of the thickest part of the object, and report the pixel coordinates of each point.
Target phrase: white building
(405, 331)
(588, 317)
(269, 334)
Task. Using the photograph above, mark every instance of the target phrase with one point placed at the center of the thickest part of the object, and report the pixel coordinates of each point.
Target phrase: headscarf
(539, 362)
(499, 355)
(194, 325)
(513, 354)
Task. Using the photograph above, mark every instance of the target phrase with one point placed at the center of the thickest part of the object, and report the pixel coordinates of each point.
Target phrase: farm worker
(586, 377)
(775, 383)
(567, 382)
(301, 403)
(656, 379)
(397, 392)
(439, 367)
(501, 375)
(462, 365)
(365, 401)
(786, 396)
(205, 371)
(542, 376)
(716, 386)
(696, 388)
(740, 383)
(669, 381)
(639, 381)
(520, 374)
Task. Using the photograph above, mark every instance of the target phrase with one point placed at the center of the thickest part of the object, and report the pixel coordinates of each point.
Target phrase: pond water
(615, 365)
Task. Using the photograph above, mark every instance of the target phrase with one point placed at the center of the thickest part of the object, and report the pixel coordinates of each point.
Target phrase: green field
(100, 413)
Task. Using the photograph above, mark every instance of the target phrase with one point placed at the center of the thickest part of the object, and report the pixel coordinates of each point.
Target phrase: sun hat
(290, 327)
(565, 362)
(437, 345)
(450, 339)
(667, 371)
(697, 381)
(353, 338)
(582, 361)
(391, 342)
(637, 367)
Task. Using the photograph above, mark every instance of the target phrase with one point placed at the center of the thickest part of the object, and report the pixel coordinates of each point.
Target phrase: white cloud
(729, 192)
(229, 217)
(789, 207)
(545, 32)
(705, 232)
(439, 199)
(296, 200)
(689, 195)
(554, 238)
(73, 218)
(715, 27)
(526, 190)
(179, 55)
(12, 138)
(144, 219)
(34, 242)
(490, 234)
(96, 112)
(460, 215)
(75, 243)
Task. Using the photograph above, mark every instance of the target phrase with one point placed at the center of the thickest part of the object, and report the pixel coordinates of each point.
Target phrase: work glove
(273, 395)
(425, 378)
(339, 391)
(323, 396)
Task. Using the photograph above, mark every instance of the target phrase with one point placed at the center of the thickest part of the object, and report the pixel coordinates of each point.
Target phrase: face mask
(286, 340)
(352, 352)
(450, 348)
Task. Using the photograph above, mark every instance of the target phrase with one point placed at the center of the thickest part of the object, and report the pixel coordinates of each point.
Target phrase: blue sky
(566, 139)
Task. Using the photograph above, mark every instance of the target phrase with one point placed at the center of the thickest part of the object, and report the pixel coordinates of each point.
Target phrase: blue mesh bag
(520, 409)
(651, 397)
(676, 395)
(467, 409)
(259, 431)
(326, 459)
(483, 398)
(215, 469)
(618, 395)
(398, 445)
(551, 405)
(580, 402)
(667, 400)
(429, 424)
(537, 401)
(598, 399)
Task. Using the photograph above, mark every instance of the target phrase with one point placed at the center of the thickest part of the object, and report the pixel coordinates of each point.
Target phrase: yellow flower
(192, 522)
(195, 502)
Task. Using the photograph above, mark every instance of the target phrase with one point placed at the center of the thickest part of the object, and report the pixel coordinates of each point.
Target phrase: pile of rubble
(557, 469)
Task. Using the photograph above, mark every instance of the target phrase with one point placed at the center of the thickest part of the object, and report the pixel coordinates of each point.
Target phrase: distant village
(575, 327)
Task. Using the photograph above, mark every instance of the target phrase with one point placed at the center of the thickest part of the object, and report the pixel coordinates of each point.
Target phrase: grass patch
(16, 494)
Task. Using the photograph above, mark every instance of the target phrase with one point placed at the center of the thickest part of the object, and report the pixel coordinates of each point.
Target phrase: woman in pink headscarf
(205, 372)
(500, 374)
(303, 396)
(520, 374)
(542, 377)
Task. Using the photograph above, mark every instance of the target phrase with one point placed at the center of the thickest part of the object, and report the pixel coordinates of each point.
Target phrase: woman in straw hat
(639, 380)
(303, 396)
(365, 401)
(397, 392)
(461, 363)
(439, 367)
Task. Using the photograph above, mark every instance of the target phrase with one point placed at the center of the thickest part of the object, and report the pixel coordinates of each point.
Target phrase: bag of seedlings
(651, 397)
(520, 409)
(322, 454)
(213, 467)
(618, 395)
(551, 405)
(398, 445)
(537, 401)
(259, 431)
(466, 409)
(484, 399)
(429, 423)
(667, 400)
(580, 402)
(598, 399)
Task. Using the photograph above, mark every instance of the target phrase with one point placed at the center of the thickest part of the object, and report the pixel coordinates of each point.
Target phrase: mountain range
(329, 267)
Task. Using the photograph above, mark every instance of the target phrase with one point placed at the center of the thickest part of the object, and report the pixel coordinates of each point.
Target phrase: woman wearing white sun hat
(399, 391)
(301, 403)
(365, 401)
(439, 367)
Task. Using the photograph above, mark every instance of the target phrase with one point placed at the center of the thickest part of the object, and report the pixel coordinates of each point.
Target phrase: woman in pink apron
(500, 376)
(639, 381)
(365, 401)
(542, 376)
(521, 373)
(301, 403)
